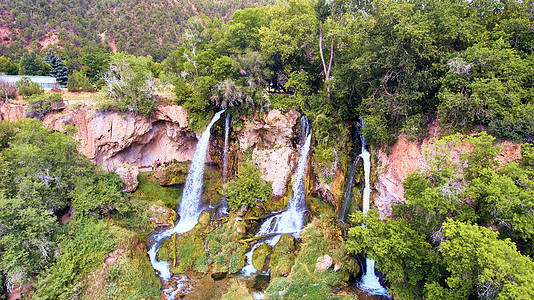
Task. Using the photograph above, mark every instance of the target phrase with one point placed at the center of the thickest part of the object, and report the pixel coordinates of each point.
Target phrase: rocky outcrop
(128, 173)
(11, 112)
(405, 157)
(271, 139)
(111, 139)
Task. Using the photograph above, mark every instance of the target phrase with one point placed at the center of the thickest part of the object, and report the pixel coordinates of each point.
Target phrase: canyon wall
(406, 156)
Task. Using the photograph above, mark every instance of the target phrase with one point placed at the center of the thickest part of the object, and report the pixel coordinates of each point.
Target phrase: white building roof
(36, 79)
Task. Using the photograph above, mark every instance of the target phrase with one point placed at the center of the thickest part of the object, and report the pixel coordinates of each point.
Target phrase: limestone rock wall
(271, 139)
(405, 157)
(111, 139)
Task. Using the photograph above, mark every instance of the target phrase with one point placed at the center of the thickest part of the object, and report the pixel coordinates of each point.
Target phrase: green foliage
(98, 193)
(39, 106)
(442, 243)
(8, 67)
(517, 131)
(78, 82)
(32, 64)
(130, 84)
(248, 188)
(27, 239)
(27, 87)
(83, 247)
(484, 83)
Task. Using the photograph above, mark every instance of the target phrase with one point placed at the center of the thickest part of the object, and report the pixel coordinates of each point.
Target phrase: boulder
(323, 263)
(128, 173)
(260, 255)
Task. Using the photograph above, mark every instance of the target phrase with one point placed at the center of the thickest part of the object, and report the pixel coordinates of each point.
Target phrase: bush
(78, 82)
(248, 188)
(41, 105)
(7, 90)
(27, 87)
(517, 131)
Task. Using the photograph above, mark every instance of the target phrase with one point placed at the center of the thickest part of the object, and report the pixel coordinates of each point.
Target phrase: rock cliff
(405, 157)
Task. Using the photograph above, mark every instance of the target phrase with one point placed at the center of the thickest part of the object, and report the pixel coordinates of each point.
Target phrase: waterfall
(291, 220)
(369, 280)
(189, 206)
(225, 152)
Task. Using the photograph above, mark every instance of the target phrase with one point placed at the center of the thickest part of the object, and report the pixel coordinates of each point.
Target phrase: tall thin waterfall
(291, 220)
(189, 207)
(225, 152)
(369, 280)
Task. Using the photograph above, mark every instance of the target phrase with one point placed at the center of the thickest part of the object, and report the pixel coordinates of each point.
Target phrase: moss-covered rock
(190, 253)
(260, 255)
(172, 174)
(226, 253)
(286, 244)
(204, 219)
(283, 256)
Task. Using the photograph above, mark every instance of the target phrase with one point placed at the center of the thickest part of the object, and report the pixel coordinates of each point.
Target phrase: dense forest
(466, 229)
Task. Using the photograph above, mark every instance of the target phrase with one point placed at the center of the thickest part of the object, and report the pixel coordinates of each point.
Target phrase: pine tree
(59, 70)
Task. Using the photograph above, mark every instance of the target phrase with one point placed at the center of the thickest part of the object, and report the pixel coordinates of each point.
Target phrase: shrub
(248, 188)
(27, 87)
(7, 90)
(41, 105)
(78, 82)
(518, 131)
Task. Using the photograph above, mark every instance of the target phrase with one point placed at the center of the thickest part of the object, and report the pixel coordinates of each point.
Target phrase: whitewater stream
(189, 206)
(291, 220)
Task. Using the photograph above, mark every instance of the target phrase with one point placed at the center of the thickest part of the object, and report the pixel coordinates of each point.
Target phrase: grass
(149, 190)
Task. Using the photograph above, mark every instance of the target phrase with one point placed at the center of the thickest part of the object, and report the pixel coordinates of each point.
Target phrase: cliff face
(271, 138)
(405, 157)
(111, 139)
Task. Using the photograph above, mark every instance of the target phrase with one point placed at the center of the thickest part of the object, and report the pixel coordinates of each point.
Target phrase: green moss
(173, 174)
(320, 237)
(149, 190)
(260, 255)
(237, 291)
(226, 253)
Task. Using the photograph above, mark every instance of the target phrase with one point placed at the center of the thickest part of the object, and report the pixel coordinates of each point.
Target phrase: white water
(189, 207)
(369, 280)
(291, 220)
(225, 152)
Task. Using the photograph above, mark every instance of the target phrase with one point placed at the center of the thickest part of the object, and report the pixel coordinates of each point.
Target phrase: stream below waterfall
(291, 220)
(189, 209)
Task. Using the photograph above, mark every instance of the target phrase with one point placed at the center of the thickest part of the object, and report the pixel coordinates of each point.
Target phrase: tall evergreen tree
(59, 70)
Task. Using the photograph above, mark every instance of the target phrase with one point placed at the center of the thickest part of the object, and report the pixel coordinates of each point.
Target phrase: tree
(59, 70)
(32, 64)
(27, 87)
(27, 241)
(78, 82)
(248, 188)
(8, 67)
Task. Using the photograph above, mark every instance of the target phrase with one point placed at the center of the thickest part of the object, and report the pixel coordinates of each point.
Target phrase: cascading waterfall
(225, 152)
(291, 220)
(369, 280)
(189, 207)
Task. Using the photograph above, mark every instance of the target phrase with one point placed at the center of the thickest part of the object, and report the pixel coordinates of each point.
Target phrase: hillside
(137, 27)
